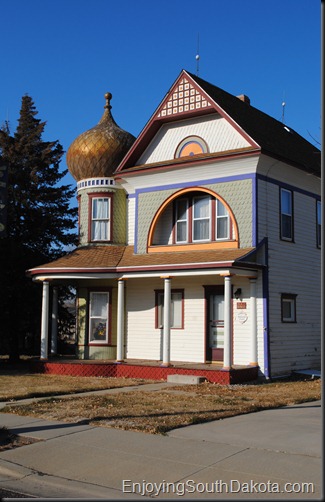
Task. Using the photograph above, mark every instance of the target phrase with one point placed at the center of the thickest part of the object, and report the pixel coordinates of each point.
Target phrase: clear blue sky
(66, 54)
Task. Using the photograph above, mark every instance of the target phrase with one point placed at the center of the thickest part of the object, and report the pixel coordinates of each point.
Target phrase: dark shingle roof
(272, 135)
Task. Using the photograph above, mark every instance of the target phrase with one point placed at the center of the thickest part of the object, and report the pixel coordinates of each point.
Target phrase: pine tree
(40, 222)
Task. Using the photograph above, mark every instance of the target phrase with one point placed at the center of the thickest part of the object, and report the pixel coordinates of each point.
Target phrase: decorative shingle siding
(219, 135)
(238, 194)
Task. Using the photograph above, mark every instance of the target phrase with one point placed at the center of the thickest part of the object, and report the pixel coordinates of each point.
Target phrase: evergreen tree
(40, 223)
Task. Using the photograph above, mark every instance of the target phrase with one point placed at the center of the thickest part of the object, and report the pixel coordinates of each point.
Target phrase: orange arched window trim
(180, 193)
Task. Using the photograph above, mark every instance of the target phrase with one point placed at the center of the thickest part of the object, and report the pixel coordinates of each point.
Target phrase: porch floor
(144, 369)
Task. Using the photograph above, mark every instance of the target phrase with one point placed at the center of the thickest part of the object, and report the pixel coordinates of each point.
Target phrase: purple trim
(198, 183)
(292, 188)
(254, 212)
(266, 341)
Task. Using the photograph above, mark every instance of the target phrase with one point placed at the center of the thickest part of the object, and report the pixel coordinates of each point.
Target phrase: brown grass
(160, 411)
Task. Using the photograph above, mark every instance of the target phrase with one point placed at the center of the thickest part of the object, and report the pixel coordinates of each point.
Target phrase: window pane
(181, 233)
(201, 230)
(286, 202)
(181, 209)
(286, 226)
(201, 207)
(222, 228)
(98, 305)
(221, 209)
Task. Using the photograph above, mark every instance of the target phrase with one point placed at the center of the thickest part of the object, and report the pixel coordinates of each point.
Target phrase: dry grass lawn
(152, 412)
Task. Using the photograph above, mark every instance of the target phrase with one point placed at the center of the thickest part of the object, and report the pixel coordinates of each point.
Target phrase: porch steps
(186, 379)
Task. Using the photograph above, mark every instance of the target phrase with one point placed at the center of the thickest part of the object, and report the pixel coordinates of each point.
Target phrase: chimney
(244, 98)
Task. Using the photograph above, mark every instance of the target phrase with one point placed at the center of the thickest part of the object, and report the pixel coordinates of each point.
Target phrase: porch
(144, 369)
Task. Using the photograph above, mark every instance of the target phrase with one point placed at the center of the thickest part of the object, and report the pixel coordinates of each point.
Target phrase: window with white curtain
(201, 218)
(99, 317)
(176, 309)
(100, 219)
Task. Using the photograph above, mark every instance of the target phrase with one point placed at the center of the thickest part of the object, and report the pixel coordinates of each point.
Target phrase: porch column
(45, 320)
(166, 330)
(120, 320)
(54, 327)
(227, 359)
(253, 311)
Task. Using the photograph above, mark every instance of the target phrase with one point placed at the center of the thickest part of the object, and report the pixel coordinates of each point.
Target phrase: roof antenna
(197, 57)
(283, 107)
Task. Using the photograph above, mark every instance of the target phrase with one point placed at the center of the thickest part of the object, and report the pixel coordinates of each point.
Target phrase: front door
(215, 325)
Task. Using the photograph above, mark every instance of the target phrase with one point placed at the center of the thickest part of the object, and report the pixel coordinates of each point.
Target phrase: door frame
(211, 355)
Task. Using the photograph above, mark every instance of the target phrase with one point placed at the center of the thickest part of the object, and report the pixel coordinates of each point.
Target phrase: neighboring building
(199, 240)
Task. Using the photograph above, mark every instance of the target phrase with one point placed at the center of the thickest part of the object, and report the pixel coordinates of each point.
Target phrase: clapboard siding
(294, 267)
(219, 135)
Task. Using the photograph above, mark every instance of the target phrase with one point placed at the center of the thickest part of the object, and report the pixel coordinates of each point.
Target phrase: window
(181, 222)
(99, 325)
(288, 307)
(319, 223)
(192, 145)
(100, 218)
(286, 222)
(176, 309)
(200, 219)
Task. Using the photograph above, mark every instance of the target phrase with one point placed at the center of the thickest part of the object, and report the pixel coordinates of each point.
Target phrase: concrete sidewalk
(250, 456)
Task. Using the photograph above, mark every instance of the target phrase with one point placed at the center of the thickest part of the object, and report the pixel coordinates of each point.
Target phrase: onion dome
(96, 153)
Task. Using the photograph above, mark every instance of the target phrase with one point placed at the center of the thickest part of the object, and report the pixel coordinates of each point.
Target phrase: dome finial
(108, 96)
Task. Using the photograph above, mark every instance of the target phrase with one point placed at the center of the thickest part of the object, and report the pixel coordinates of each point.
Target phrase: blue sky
(66, 54)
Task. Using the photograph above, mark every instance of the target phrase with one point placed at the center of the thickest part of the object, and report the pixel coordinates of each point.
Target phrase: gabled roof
(271, 136)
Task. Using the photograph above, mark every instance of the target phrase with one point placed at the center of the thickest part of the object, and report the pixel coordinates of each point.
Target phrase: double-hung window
(286, 219)
(99, 325)
(222, 221)
(100, 218)
(181, 220)
(319, 223)
(201, 218)
(176, 309)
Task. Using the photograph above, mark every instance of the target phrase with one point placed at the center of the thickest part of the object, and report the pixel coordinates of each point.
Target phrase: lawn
(154, 412)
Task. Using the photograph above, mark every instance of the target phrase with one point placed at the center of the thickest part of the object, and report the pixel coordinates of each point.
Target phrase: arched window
(192, 218)
(192, 145)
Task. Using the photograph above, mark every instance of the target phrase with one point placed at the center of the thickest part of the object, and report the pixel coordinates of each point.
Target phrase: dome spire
(97, 152)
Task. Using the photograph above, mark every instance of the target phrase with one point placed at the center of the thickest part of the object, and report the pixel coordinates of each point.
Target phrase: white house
(199, 240)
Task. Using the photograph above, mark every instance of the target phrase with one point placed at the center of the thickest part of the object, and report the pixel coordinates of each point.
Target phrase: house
(199, 240)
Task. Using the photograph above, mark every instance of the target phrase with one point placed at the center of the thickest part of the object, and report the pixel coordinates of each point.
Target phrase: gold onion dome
(96, 153)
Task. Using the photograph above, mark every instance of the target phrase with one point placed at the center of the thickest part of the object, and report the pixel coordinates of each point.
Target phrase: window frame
(195, 219)
(292, 299)
(319, 224)
(109, 219)
(177, 220)
(291, 215)
(213, 220)
(159, 293)
(108, 338)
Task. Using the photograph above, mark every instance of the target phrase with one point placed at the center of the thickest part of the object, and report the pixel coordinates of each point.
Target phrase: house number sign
(242, 317)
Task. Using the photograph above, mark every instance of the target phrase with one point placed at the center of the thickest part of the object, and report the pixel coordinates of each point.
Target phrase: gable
(215, 130)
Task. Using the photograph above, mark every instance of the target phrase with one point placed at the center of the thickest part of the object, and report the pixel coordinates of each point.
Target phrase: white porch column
(54, 327)
(120, 320)
(253, 312)
(227, 352)
(45, 320)
(166, 330)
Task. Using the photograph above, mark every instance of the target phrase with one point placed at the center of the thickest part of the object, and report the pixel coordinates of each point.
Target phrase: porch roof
(121, 259)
